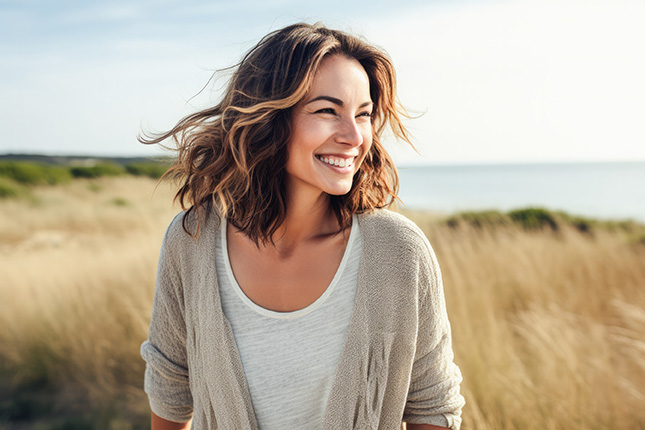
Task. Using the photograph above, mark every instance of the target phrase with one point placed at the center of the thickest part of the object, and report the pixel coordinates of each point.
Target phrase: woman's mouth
(336, 161)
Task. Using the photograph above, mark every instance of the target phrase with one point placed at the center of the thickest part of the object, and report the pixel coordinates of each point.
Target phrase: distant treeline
(16, 175)
(33, 173)
(76, 160)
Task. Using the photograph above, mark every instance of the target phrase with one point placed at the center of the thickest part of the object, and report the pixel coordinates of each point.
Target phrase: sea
(602, 190)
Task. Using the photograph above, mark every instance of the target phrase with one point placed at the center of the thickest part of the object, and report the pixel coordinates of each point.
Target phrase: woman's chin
(339, 190)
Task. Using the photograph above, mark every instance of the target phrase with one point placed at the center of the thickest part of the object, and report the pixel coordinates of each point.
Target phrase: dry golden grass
(77, 264)
(549, 330)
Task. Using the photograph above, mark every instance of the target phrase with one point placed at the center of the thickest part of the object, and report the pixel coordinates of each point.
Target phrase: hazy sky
(492, 81)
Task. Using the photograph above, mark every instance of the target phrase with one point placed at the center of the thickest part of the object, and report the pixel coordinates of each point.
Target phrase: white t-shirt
(290, 358)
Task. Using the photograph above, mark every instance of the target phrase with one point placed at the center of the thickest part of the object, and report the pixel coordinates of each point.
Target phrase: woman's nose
(350, 133)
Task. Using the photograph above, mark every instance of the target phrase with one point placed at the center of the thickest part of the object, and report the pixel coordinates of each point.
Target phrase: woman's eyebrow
(336, 101)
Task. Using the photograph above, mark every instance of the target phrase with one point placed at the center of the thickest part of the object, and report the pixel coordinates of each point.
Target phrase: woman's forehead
(342, 78)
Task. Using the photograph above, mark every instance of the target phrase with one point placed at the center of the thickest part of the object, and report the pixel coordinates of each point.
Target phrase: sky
(486, 81)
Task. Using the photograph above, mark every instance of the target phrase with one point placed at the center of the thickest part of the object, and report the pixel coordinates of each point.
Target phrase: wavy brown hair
(233, 155)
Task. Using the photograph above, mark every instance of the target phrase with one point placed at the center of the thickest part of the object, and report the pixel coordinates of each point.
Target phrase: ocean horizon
(613, 190)
(602, 190)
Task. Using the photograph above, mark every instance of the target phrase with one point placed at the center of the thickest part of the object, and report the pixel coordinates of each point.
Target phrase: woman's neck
(306, 220)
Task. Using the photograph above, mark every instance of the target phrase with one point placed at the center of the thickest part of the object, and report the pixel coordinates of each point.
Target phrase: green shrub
(481, 219)
(25, 173)
(8, 189)
(153, 170)
(582, 224)
(34, 173)
(528, 219)
(57, 175)
(534, 219)
(98, 171)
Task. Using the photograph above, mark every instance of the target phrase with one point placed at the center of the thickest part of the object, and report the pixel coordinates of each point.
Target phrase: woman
(286, 296)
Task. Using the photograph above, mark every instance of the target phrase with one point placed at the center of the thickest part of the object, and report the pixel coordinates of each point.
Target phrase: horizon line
(404, 164)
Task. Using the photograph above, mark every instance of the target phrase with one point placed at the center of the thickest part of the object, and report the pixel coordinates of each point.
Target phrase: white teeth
(338, 162)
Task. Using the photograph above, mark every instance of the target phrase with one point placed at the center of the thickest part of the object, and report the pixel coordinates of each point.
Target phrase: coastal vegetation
(547, 309)
(16, 176)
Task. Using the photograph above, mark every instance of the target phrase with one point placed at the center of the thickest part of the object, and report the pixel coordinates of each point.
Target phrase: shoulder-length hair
(233, 155)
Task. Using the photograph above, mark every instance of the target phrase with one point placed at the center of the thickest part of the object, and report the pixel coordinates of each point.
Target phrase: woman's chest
(287, 284)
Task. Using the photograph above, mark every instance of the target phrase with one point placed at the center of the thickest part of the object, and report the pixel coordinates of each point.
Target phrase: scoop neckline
(298, 313)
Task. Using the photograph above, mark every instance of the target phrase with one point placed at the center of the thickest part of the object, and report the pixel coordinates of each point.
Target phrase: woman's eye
(327, 110)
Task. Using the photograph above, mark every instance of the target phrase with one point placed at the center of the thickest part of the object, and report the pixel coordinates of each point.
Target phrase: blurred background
(488, 82)
(528, 180)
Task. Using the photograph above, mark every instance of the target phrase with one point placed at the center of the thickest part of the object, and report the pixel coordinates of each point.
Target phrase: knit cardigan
(396, 364)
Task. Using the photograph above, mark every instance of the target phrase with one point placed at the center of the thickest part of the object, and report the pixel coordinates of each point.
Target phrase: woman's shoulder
(395, 248)
(392, 232)
(388, 223)
(183, 229)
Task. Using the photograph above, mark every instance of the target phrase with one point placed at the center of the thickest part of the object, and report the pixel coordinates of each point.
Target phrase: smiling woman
(286, 296)
(331, 129)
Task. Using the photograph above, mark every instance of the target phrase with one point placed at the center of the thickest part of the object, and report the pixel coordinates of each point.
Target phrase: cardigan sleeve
(433, 396)
(166, 377)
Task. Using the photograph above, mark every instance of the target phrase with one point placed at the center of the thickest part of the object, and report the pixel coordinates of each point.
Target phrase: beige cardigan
(396, 364)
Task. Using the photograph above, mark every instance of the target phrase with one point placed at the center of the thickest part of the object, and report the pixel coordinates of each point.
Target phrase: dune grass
(77, 268)
(548, 323)
(549, 326)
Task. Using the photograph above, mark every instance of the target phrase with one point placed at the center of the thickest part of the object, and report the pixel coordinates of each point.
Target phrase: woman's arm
(433, 397)
(166, 379)
(159, 423)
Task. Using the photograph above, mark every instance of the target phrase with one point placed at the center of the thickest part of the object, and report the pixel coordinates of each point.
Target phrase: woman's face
(331, 129)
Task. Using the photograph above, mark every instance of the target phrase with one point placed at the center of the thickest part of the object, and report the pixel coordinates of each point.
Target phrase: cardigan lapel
(368, 391)
(348, 389)
(230, 387)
